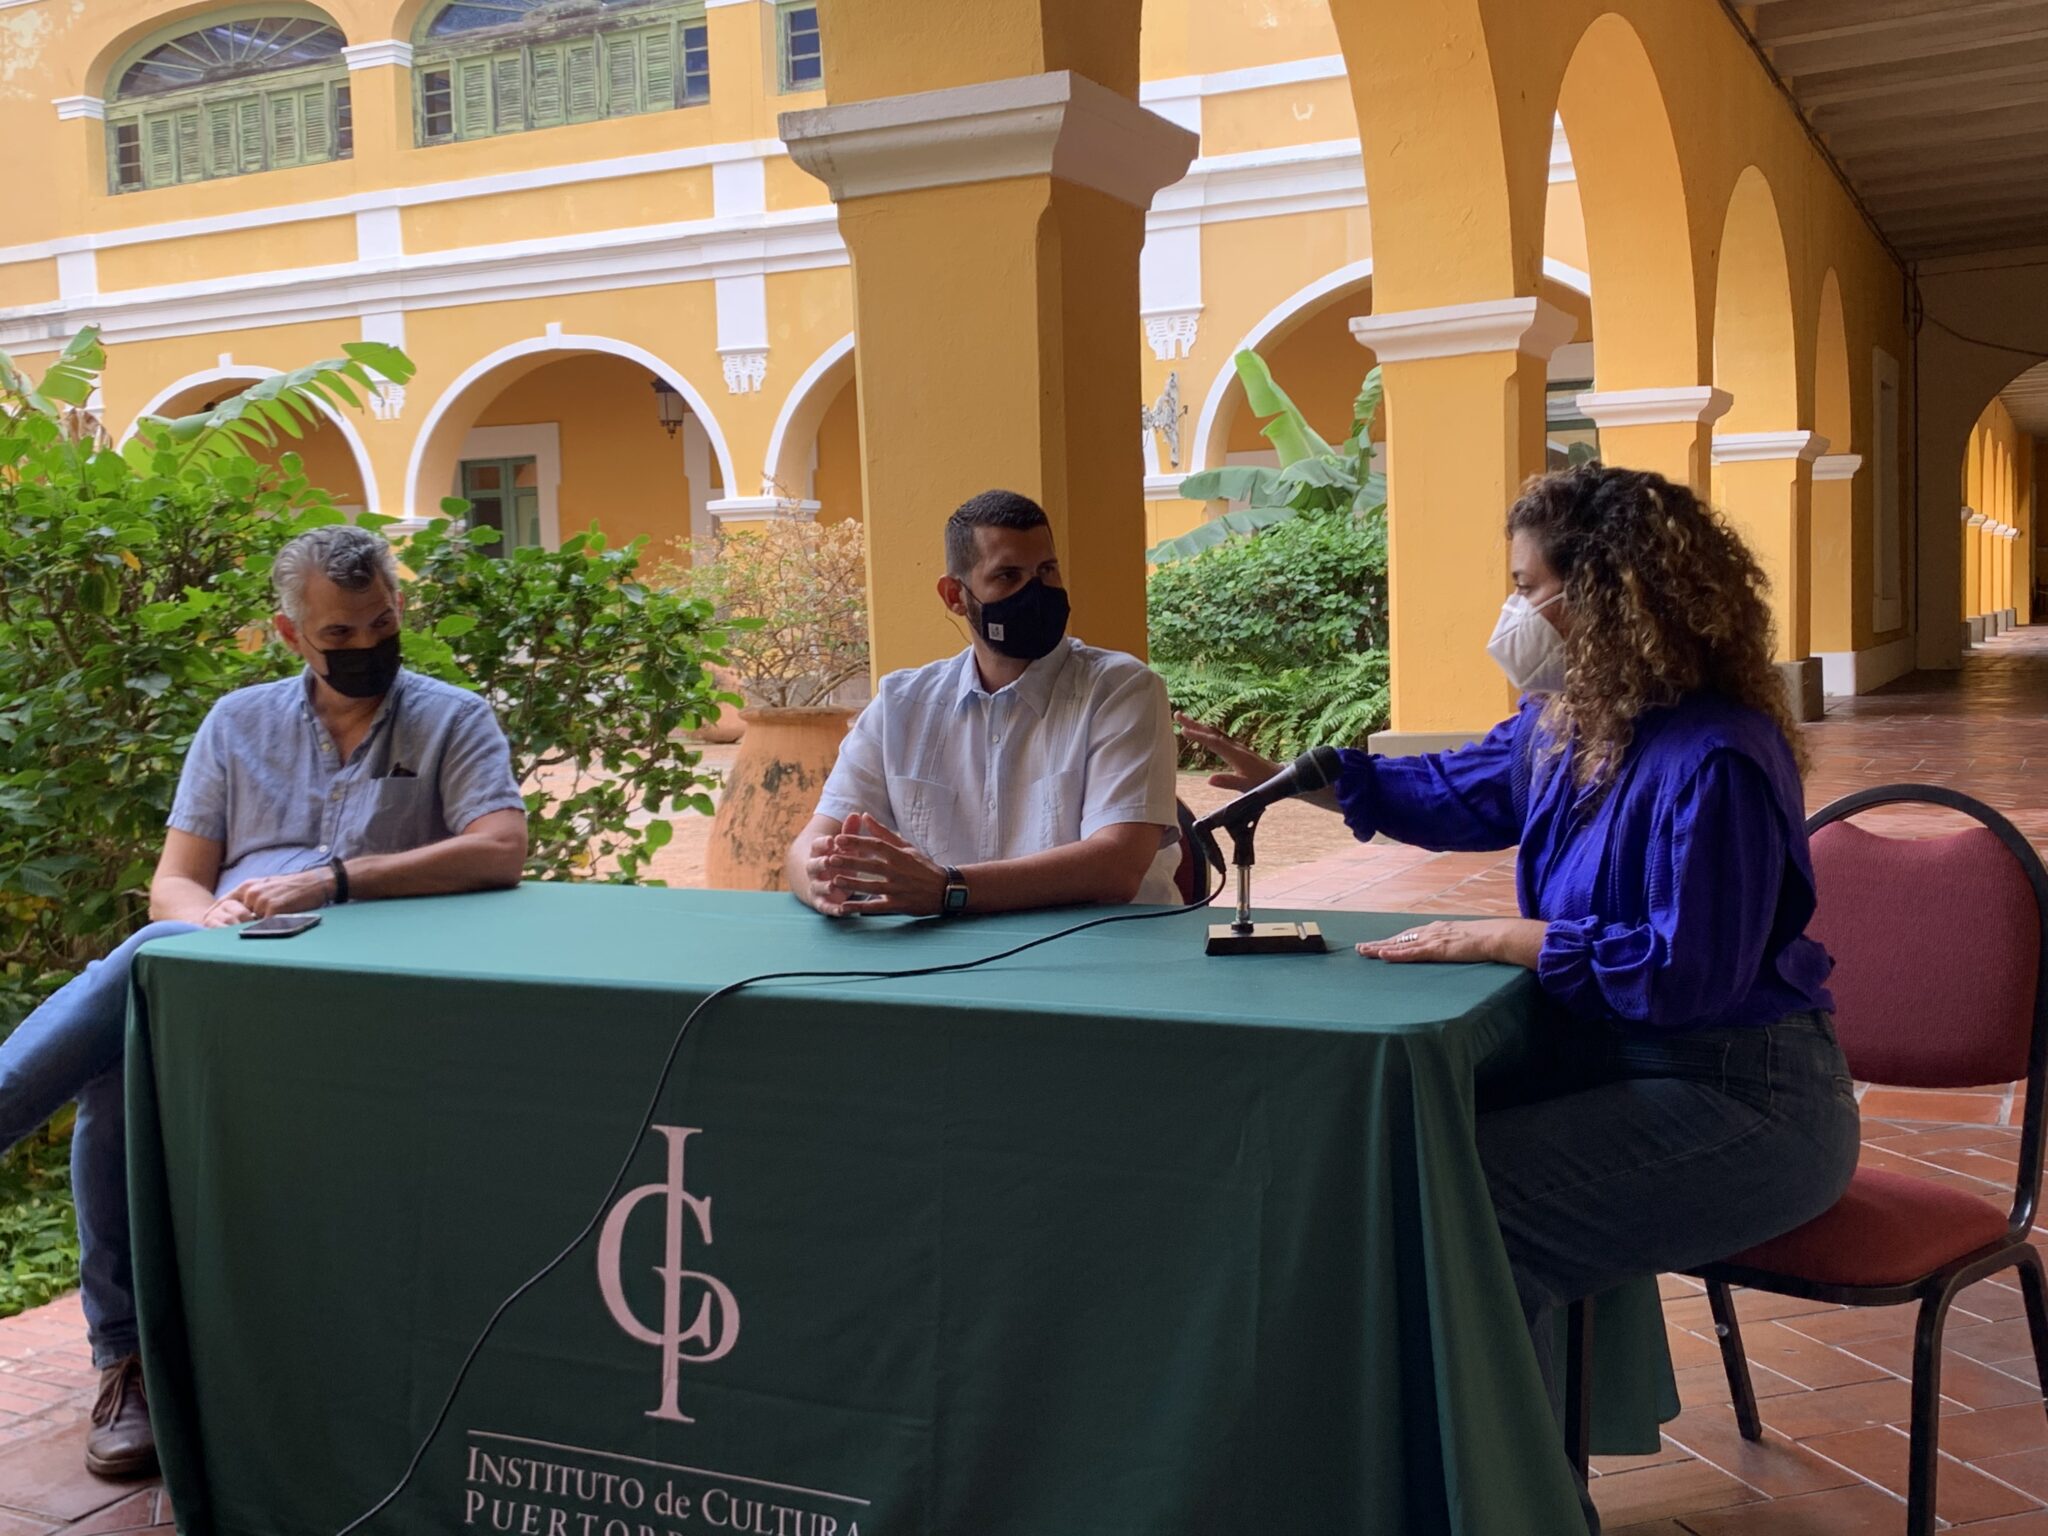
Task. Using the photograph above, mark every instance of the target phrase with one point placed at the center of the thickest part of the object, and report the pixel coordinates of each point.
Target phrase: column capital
(1976, 519)
(388, 50)
(755, 509)
(1680, 406)
(1527, 325)
(1062, 125)
(1966, 513)
(1837, 466)
(1768, 447)
(71, 107)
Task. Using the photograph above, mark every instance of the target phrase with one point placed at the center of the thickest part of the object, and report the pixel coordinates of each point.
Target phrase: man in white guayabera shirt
(1028, 771)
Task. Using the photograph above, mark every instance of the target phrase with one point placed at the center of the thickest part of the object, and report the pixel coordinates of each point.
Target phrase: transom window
(250, 93)
(487, 67)
(803, 56)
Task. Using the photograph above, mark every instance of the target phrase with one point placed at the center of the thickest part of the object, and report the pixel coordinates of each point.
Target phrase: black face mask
(1025, 625)
(367, 673)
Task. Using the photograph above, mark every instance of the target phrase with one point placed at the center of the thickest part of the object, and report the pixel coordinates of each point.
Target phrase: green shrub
(1277, 637)
(594, 676)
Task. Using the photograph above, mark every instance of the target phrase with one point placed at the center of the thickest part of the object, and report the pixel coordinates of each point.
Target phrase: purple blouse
(1677, 896)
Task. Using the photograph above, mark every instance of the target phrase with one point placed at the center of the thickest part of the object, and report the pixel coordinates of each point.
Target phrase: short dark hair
(991, 509)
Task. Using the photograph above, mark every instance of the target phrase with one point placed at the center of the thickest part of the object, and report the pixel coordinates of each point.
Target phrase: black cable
(654, 1108)
(2038, 354)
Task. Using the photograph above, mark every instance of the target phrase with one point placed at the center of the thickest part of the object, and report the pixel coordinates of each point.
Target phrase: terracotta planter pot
(730, 724)
(770, 792)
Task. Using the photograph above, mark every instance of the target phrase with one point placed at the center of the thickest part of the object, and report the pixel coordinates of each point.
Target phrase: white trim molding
(799, 396)
(1837, 466)
(1976, 519)
(71, 108)
(556, 343)
(231, 372)
(388, 50)
(1844, 674)
(1059, 124)
(753, 509)
(1684, 405)
(1768, 447)
(1172, 333)
(1525, 325)
(1164, 487)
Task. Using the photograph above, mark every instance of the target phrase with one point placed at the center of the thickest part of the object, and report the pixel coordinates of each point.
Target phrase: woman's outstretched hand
(1505, 941)
(1243, 768)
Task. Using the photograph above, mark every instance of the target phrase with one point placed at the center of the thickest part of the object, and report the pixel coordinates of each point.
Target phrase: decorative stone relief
(745, 372)
(1173, 334)
(387, 400)
(1166, 415)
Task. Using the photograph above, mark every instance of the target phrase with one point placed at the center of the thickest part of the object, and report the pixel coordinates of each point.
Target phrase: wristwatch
(956, 894)
(340, 872)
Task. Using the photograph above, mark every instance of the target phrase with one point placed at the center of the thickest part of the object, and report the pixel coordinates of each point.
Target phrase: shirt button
(335, 796)
(321, 849)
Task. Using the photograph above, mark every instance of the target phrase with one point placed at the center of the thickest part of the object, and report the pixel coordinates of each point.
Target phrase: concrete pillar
(1666, 430)
(1763, 482)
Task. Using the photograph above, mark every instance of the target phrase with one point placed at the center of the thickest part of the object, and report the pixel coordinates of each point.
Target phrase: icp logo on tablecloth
(717, 1325)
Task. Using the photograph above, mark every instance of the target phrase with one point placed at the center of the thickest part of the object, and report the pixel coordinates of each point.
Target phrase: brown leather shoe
(121, 1443)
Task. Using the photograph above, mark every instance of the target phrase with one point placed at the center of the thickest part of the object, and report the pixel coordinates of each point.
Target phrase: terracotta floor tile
(1801, 1415)
(1677, 1489)
(2035, 1524)
(1963, 1379)
(1923, 1104)
(1773, 1465)
(1706, 1386)
(1995, 1431)
(1992, 1342)
(46, 1477)
(1812, 1363)
(137, 1512)
(1753, 1306)
(1860, 1510)
(1647, 1528)
(1851, 1323)
(1994, 1299)
(2025, 1470)
(1609, 1466)
(1961, 1493)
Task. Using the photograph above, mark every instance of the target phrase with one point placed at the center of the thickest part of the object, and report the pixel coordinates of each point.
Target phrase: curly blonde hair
(1665, 600)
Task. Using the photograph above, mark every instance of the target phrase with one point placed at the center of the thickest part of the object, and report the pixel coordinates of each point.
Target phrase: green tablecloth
(1108, 1239)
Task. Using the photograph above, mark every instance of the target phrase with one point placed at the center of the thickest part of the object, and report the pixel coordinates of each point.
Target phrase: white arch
(567, 345)
(250, 373)
(1297, 302)
(829, 359)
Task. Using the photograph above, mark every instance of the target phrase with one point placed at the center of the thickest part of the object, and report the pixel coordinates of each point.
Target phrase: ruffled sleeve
(1467, 800)
(1715, 867)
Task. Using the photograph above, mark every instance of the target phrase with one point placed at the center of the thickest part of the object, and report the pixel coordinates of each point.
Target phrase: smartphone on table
(285, 925)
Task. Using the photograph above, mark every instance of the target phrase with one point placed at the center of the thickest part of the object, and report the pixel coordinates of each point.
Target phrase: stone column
(1834, 586)
(1973, 575)
(1763, 481)
(1465, 425)
(1666, 430)
(995, 231)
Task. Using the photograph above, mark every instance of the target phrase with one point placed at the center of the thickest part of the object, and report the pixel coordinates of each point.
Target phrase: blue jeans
(71, 1048)
(1648, 1153)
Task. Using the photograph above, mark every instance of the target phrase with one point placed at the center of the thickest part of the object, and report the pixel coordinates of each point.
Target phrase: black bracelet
(340, 879)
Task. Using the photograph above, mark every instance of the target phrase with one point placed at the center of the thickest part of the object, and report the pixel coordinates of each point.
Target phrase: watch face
(956, 898)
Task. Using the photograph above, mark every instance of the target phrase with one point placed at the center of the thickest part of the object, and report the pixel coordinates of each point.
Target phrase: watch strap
(955, 899)
(340, 871)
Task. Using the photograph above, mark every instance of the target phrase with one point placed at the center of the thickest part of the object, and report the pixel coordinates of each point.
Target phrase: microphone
(1315, 769)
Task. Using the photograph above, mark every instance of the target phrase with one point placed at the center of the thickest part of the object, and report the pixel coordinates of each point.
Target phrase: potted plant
(793, 598)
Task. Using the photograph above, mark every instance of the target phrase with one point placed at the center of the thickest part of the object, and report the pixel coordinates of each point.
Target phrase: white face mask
(1527, 646)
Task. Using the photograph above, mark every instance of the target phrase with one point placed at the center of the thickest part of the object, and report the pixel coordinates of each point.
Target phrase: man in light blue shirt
(1030, 770)
(354, 780)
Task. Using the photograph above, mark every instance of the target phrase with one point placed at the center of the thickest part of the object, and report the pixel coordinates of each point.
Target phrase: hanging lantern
(669, 402)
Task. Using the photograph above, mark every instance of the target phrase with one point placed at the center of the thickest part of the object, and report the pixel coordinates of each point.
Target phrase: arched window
(485, 67)
(248, 92)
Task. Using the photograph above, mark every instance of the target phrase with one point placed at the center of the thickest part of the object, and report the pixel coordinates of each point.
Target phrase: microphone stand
(1245, 937)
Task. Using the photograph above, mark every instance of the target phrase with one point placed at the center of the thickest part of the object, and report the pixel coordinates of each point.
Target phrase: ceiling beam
(1958, 71)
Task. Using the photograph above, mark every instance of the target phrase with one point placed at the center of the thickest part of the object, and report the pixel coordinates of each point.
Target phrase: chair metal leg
(2034, 1289)
(1740, 1390)
(1578, 1385)
(1922, 1461)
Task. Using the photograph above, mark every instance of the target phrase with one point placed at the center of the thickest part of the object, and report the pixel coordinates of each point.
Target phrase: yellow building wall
(235, 253)
(668, 197)
(620, 470)
(1278, 116)
(837, 486)
(28, 282)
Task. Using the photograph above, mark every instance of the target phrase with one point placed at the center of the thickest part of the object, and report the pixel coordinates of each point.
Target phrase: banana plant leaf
(1288, 431)
(1208, 535)
(1252, 483)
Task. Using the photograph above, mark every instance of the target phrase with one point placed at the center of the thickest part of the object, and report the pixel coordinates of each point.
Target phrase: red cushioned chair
(1941, 950)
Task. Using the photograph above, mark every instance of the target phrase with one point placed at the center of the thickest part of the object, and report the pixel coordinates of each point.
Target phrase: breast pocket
(923, 809)
(398, 815)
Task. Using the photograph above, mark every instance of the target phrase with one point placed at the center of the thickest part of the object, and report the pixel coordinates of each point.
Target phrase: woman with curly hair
(1695, 1102)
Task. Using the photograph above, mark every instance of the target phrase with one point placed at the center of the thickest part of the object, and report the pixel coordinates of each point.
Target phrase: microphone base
(1266, 939)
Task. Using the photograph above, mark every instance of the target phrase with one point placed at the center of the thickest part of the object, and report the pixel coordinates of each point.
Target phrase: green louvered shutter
(473, 99)
(544, 105)
(622, 76)
(658, 51)
(317, 107)
(580, 68)
(159, 151)
(508, 93)
(221, 159)
(286, 147)
(249, 133)
(191, 157)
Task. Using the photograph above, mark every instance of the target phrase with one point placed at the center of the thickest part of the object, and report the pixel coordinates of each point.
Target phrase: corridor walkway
(1831, 1383)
